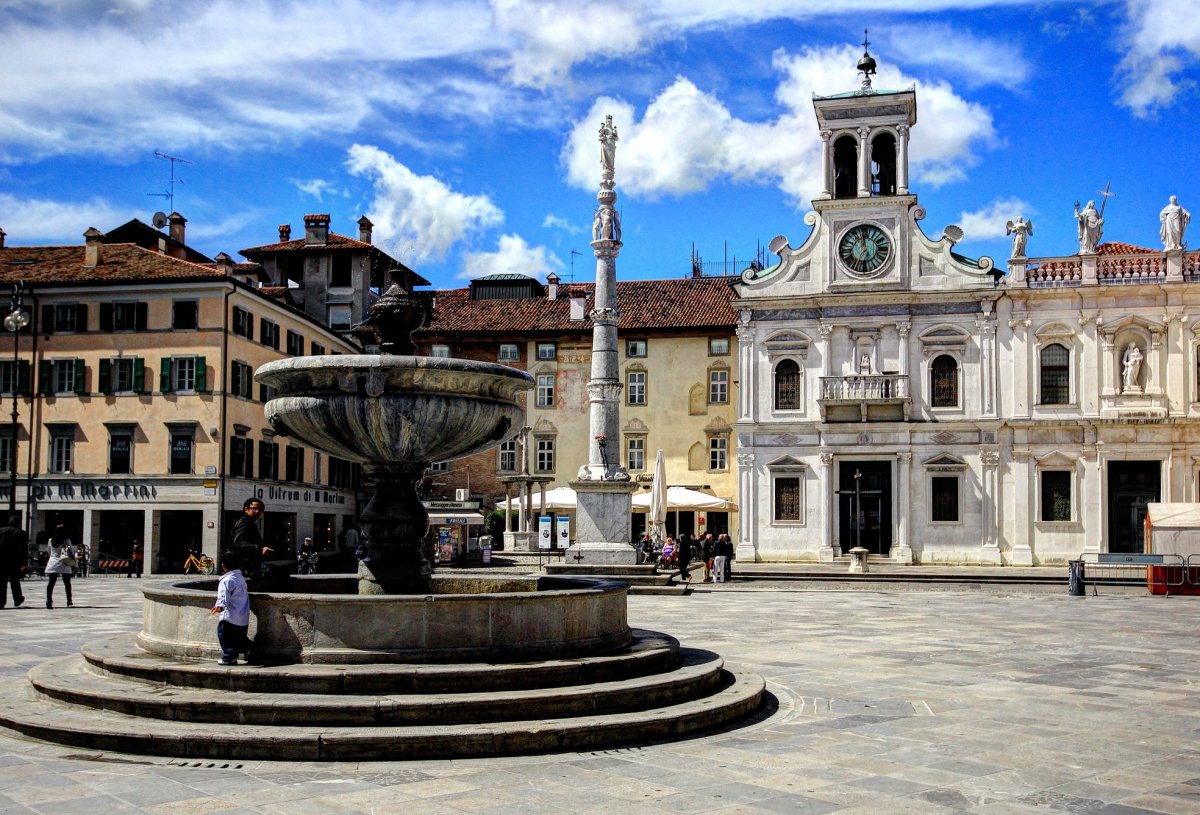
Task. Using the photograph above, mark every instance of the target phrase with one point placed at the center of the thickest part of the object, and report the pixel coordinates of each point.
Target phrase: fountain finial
(392, 320)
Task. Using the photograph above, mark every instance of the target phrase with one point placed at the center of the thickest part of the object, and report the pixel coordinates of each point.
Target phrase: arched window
(883, 164)
(1055, 375)
(943, 381)
(787, 385)
(845, 167)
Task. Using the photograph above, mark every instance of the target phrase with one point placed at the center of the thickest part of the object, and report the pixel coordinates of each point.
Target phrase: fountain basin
(461, 619)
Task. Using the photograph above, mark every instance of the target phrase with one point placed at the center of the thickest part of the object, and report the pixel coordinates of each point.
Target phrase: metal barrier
(1159, 573)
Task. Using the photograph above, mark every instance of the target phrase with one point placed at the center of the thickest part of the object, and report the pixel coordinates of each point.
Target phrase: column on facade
(828, 548)
(987, 363)
(904, 329)
(1157, 374)
(864, 162)
(747, 373)
(826, 333)
(1175, 376)
(1025, 486)
(826, 165)
(1091, 513)
(749, 510)
(902, 160)
(1025, 363)
(1106, 364)
(902, 551)
(1088, 387)
(989, 543)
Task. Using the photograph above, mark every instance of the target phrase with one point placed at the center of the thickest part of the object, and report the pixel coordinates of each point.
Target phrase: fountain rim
(390, 362)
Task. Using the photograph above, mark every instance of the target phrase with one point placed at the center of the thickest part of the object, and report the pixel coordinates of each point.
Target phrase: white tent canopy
(681, 498)
(557, 498)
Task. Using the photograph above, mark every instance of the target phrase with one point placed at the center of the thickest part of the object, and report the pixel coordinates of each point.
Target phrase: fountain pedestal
(395, 522)
(602, 524)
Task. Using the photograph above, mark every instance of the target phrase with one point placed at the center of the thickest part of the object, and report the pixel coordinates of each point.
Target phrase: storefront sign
(87, 491)
(464, 505)
(545, 536)
(300, 496)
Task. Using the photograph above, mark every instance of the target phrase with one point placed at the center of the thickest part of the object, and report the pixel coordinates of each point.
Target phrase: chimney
(552, 286)
(578, 308)
(224, 263)
(285, 233)
(177, 232)
(93, 249)
(364, 229)
(316, 230)
(1, 238)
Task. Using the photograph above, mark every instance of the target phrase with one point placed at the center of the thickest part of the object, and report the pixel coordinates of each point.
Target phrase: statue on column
(608, 147)
(1020, 229)
(1091, 228)
(1175, 220)
(1131, 366)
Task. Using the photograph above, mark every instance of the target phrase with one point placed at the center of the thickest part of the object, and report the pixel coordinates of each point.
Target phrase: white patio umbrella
(557, 498)
(656, 523)
(683, 498)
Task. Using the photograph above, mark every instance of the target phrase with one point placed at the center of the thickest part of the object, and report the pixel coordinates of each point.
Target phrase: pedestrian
(684, 552)
(247, 541)
(136, 557)
(81, 555)
(233, 604)
(61, 563)
(723, 553)
(707, 550)
(14, 557)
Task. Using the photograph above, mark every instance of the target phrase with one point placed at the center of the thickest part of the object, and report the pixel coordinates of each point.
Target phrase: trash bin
(1075, 578)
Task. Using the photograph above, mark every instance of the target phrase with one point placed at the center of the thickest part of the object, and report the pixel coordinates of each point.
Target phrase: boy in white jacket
(233, 604)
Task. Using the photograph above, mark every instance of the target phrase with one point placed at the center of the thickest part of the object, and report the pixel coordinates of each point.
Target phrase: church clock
(864, 249)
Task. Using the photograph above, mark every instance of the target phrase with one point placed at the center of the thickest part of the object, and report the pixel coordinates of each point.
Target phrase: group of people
(62, 560)
(714, 553)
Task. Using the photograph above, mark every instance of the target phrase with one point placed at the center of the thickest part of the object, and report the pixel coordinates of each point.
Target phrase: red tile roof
(1118, 248)
(335, 241)
(686, 303)
(120, 262)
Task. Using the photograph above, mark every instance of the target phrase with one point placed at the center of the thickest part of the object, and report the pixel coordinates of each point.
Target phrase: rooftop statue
(1091, 227)
(1175, 220)
(1020, 229)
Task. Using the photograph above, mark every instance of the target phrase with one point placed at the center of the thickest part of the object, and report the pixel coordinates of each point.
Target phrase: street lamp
(15, 322)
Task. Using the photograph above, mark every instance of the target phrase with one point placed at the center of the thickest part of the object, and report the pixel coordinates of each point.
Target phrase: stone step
(72, 681)
(650, 652)
(25, 710)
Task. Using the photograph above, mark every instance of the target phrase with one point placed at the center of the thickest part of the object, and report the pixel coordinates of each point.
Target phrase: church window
(943, 381)
(845, 167)
(788, 505)
(787, 385)
(1056, 495)
(1055, 375)
(944, 499)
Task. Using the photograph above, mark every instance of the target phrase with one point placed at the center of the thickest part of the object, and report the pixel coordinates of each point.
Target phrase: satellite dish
(159, 220)
(953, 233)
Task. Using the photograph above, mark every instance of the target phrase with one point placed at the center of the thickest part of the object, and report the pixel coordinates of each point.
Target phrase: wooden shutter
(106, 317)
(275, 461)
(201, 375)
(141, 311)
(164, 379)
(47, 319)
(80, 372)
(237, 455)
(105, 384)
(248, 472)
(139, 375)
(23, 376)
(45, 377)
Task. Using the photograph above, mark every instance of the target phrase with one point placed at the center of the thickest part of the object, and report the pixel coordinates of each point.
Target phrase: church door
(865, 506)
(1131, 485)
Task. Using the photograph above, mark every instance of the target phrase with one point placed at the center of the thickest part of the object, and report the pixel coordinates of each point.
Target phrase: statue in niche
(1175, 220)
(1091, 228)
(1020, 229)
(864, 364)
(1131, 366)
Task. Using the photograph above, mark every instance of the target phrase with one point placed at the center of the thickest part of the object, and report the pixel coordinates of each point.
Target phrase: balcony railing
(1044, 273)
(1132, 269)
(867, 387)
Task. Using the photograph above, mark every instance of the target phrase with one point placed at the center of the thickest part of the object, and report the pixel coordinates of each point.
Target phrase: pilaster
(1026, 488)
(829, 548)
(902, 549)
(747, 545)
(989, 545)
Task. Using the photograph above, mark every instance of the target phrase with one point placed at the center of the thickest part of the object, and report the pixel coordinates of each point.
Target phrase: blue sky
(466, 130)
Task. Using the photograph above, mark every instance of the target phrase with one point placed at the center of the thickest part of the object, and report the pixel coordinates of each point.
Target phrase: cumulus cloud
(552, 221)
(39, 220)
(687, 139)
(1162, 39)
(418, 217)
(512, 256)
(316, 187)
(974, 60)
(989, 220)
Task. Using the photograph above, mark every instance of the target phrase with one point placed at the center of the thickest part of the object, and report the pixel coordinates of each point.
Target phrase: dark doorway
(1131, 485)
(865, 512)
(179, 530)
(118, 529)
(717, 522)
(71, 519)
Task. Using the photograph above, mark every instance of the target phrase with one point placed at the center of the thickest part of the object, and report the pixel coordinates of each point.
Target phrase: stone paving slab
(887, 702)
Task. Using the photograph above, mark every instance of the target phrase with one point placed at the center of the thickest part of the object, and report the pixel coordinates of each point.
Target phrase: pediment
(636, 426)
(1055, 459)
(784, 337)
(1055, 330)
(943, 462)
(717, 425)
(1130, 321)
(544, 427)
(945, 334)
(786, 462)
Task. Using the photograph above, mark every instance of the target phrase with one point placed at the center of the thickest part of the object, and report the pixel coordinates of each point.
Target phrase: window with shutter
(80, 373)
(165, 382)
(201, 367)
(105, 385)
(106, 316)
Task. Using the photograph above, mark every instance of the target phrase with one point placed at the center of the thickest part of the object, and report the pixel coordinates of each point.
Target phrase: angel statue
(1020, 229)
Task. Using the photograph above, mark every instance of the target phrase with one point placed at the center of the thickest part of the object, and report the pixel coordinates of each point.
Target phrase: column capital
(826, 459)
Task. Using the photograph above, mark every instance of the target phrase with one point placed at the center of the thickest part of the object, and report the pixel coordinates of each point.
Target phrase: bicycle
(200, 562)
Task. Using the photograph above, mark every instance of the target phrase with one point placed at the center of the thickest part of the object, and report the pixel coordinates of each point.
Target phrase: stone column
(903, 330)
(747, 371)
(1092, 504)
(828, 481)
(1024, 362)
(826, 165)
(987, 364)
(1026, 483)
(989, 544)
(748, 508)
(864, 162)
(902, 160)
(1156, 371)
(1107, 363)
(902, 549)
(1089, 383)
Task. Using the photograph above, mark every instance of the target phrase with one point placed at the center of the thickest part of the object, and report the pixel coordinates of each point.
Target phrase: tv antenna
(574, 252)
(170, 194)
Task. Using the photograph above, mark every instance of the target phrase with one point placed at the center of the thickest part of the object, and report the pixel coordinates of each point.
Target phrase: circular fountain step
(650, 652)
(27, 711)
(72, 681)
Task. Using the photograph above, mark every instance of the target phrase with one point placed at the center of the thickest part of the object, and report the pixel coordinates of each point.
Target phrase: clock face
(864, 249)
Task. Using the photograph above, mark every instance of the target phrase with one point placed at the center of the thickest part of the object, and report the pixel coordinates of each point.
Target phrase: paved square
(912, 701)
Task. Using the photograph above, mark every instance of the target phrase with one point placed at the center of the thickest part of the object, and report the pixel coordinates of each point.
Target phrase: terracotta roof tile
(120, 262)
(686, 303)
(335, 241)
(1118, 248)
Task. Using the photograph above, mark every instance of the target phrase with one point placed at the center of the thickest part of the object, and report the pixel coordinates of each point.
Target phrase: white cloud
(974, 60)
(688, 139)
(1162, 39)
(989, 220)
(316, 187)
(552, 221)
(37, 220)
(418, 217)
(512, 256)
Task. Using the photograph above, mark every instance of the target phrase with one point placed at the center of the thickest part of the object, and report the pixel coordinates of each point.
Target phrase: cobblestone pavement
(923, 702)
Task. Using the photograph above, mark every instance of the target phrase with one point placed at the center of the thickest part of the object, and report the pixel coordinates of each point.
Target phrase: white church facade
(930, 408)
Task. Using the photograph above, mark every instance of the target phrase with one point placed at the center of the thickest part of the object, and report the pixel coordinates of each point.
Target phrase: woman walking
(61, 563)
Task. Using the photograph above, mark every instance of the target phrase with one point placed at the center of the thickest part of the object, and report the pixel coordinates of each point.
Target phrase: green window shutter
(45, 377)
(201, 376)
(164, 379)
(275, 461)
(106, 317)
(141, 310)
(80, 371)
(81, 323)
(105, 383)
(23, 376)
(249, 471)
(47, 319)
(139, 375)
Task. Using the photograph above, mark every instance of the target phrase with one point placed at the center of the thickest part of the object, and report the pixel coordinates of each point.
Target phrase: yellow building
(677, 360)
(137, 415)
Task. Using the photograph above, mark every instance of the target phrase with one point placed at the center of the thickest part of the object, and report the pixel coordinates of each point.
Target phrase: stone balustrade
(1053, 272)
(1132, 269)
(856, 387)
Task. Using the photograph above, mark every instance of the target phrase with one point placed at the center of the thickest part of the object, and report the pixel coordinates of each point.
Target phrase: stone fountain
(394, 662)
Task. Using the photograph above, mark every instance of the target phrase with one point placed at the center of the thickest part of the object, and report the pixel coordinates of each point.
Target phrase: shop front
(454, 531)
(292, 513)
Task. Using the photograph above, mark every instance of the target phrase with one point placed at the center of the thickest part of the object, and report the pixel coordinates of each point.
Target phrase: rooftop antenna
(866, 65)
(170, 194)
(574, 252)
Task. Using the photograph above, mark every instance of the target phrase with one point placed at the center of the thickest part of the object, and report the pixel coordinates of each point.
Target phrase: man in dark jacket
(684, 550)
(247, 541)
(14, 555)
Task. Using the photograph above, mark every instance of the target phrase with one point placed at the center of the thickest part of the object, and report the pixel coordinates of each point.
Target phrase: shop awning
(455, 518)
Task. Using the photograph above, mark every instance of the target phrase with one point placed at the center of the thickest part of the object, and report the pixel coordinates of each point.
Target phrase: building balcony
(864, 398)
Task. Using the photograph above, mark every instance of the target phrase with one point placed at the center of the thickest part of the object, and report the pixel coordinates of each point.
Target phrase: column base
(990, 556)
(826, 554)
(902, 554)
(1021, 556)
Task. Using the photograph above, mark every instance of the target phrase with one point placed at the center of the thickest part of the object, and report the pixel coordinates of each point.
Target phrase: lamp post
(15, 322)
